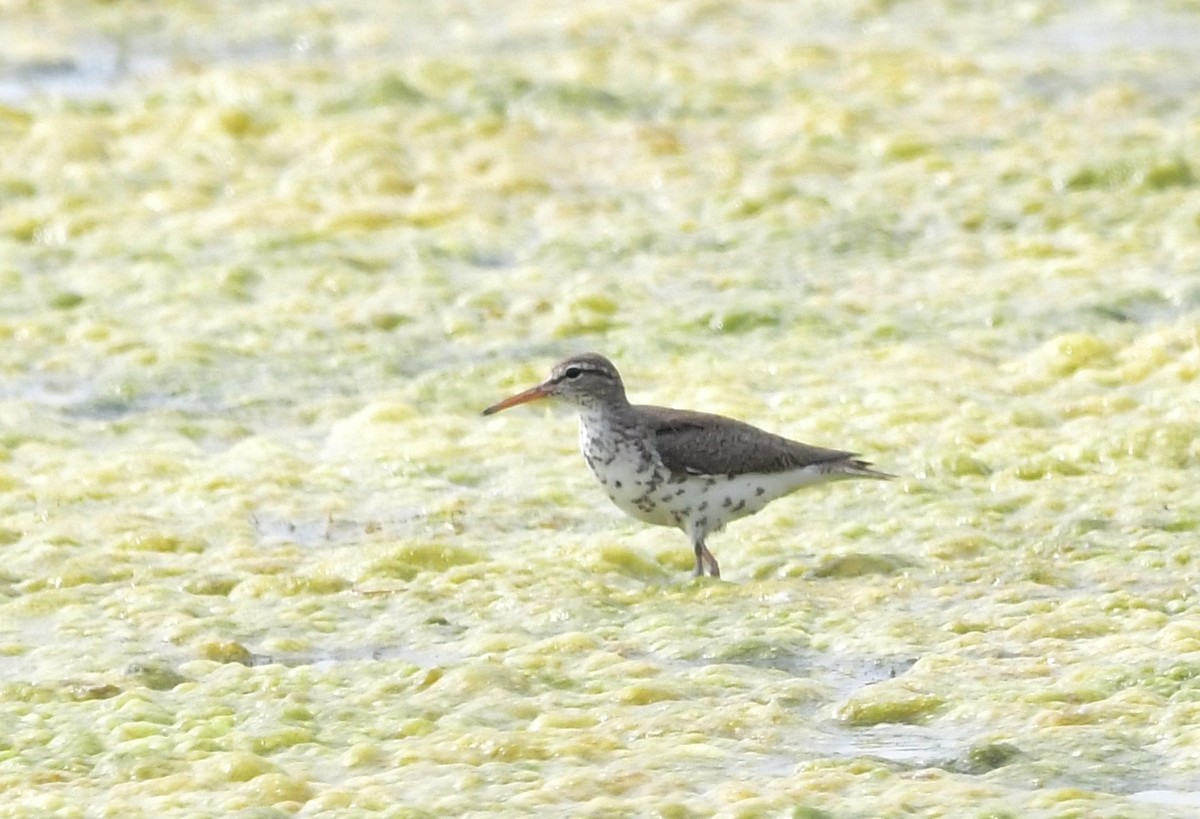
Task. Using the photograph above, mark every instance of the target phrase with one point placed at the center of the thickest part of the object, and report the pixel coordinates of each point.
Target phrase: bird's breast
(630, 472)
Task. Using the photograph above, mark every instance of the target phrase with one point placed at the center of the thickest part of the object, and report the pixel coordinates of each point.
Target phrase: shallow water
(263, 555)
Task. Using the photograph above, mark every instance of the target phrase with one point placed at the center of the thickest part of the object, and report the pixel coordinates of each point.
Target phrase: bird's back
(699, 443)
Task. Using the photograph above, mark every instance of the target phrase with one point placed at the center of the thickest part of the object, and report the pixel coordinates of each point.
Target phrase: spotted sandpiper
(679, 468)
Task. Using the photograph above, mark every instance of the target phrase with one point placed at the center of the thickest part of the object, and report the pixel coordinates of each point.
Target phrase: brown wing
(699, 443)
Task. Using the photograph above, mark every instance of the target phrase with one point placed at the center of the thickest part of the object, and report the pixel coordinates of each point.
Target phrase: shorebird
(670, 467)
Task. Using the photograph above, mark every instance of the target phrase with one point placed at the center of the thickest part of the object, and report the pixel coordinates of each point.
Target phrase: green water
(261, 265)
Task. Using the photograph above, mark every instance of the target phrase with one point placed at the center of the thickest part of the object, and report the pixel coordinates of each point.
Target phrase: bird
(671, 467)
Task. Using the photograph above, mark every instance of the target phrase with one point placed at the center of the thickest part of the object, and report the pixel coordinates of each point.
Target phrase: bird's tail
(857, 468)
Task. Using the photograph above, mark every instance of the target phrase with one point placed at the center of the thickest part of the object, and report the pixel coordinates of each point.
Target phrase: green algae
(263, 557)
(412, 558)
(858, 565)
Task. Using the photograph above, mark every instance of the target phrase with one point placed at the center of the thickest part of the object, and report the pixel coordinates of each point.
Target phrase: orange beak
(531, 394)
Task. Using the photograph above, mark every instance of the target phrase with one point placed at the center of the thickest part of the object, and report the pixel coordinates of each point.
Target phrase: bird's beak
(531, 394)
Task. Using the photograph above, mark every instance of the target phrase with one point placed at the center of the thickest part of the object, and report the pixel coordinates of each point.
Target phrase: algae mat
(261, 265)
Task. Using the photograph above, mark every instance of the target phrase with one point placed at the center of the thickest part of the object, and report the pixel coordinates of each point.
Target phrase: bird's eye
(573, 373)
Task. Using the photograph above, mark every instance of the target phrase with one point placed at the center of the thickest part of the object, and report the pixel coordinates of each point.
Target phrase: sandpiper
(690, 470)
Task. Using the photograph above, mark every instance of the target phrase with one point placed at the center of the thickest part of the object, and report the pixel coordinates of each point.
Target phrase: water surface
(262, 267)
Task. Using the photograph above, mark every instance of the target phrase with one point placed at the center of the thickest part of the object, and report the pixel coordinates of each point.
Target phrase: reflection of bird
(672, 467)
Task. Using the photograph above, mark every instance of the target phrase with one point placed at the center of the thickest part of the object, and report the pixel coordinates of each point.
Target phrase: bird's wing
(701, 444)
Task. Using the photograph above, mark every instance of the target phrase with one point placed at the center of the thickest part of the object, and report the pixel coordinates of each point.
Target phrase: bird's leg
(703, 555)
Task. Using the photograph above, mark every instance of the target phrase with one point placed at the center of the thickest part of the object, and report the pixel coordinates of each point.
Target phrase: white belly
(641, 487)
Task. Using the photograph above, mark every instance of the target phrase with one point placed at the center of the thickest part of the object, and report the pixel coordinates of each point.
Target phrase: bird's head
(584, 380)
